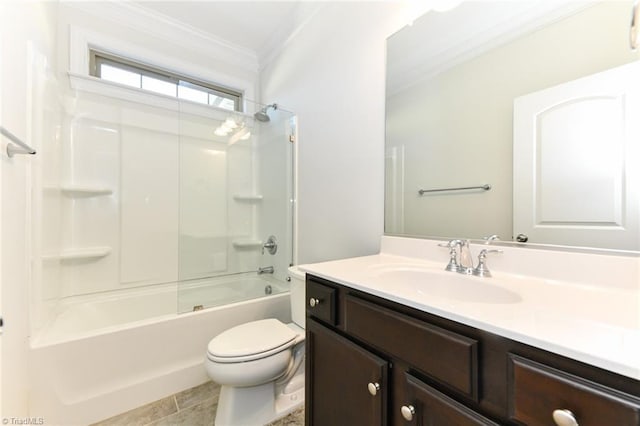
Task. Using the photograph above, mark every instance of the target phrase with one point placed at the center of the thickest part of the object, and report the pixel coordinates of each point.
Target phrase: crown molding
(302, 15)
(165, 28)
(471, 34)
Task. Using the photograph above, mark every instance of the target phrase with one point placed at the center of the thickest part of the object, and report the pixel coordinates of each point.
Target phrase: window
(124, 71)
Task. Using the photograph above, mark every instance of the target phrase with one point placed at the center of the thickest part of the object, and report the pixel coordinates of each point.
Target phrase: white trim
(82, 40)
(471, 41)
(98, 86)
(165, 28)
(304, 13)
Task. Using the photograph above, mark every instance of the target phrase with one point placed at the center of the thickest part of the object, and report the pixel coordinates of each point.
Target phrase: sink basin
(425, 282)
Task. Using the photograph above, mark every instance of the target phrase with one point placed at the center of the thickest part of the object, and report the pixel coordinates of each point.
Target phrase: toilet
(260, 365)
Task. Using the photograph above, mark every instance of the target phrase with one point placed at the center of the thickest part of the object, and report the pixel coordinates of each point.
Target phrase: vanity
(393, 339)
(488, 115)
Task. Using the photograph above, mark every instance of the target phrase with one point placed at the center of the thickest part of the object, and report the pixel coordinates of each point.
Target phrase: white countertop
(598, 325)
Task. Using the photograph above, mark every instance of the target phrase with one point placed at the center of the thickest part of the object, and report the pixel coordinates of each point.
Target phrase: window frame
(98, 57)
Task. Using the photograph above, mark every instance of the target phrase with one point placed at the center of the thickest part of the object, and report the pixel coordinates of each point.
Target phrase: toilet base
(258, 405)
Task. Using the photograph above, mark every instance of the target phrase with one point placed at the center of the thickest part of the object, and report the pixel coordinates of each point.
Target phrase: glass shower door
(235, 192)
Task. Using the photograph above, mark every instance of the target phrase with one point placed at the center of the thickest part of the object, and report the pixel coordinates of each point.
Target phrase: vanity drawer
(536, 391)
(321, 301)
(428, 406)
(447, 357)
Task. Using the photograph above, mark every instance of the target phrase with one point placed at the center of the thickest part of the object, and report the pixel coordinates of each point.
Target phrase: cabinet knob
(407, 412)
(564, 418)
(313, 302)
(373, 388)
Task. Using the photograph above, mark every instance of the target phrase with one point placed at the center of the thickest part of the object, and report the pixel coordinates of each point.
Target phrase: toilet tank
(297, 296)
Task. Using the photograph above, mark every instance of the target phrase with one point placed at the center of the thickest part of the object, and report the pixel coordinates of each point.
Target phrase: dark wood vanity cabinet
(371, 361)
(350, 383)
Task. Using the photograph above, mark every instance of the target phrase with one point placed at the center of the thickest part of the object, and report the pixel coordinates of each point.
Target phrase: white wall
(332, 74)
(20, 23)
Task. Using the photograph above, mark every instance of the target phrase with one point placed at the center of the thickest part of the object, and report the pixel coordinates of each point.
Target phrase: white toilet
(260, 365)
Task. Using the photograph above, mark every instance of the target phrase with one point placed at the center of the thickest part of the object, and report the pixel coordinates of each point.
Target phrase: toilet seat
(251, 341)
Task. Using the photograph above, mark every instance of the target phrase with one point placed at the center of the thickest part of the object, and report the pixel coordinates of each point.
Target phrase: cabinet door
(429, 407)
(346, 385)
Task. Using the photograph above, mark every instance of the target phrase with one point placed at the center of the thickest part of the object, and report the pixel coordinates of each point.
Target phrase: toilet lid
(250, 340)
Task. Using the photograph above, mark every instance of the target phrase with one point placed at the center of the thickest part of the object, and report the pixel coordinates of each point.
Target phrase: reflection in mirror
(453, 79)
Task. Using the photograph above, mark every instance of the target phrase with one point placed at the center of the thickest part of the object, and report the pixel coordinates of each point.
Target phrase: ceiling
(258, 26)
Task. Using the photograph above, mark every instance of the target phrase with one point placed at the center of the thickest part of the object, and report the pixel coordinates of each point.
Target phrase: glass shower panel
(235, 191)
(274, 172)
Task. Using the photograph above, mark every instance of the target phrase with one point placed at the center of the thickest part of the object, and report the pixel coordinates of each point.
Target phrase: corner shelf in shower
(80, 253)
(247, 198)
(247, 244)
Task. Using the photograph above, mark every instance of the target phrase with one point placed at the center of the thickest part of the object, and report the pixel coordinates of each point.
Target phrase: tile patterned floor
(294, 419)
(192, 407)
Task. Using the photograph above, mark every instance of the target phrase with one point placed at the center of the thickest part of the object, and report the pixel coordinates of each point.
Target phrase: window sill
(90, 84)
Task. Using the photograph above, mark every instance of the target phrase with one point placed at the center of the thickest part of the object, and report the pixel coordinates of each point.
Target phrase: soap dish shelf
(247, 244)
(80, 253)
(79, 191)
(248, 198)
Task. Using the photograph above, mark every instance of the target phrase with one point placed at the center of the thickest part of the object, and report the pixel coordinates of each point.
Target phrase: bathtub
(103, 355)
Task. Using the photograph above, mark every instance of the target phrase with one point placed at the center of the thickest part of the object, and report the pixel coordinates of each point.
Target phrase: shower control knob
(271, 245)
(407, 412)
(373, 388)
(313, 302)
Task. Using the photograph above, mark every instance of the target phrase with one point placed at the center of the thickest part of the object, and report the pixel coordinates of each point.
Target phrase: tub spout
(265, 270)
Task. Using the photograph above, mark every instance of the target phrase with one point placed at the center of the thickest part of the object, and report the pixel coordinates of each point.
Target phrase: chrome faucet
(461, 259)
(466, 259)
(491, 238)
(481, 270)
(453, 245)
(265, 270)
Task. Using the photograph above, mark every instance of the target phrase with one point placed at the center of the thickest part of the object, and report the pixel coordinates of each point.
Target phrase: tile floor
(192, 407)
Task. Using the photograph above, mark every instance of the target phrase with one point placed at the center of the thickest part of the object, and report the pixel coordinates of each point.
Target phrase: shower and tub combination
(153, 231)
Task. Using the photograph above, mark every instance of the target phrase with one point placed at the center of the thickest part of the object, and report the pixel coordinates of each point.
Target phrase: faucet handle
(491, 238)
(450, 244)
(481, 270)
(452, 266)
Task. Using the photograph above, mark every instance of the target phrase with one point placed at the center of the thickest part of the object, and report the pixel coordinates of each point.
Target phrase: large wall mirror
(516, 119)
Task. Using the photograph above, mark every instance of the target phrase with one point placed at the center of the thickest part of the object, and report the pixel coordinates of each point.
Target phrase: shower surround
(148, 232)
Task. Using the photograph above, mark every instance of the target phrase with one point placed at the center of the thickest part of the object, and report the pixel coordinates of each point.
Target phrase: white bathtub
(100, 358)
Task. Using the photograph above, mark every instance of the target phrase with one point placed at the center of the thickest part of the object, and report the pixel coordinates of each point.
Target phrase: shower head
(262, 114)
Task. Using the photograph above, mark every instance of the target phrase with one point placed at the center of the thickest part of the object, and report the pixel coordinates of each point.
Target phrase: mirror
(453, 79)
